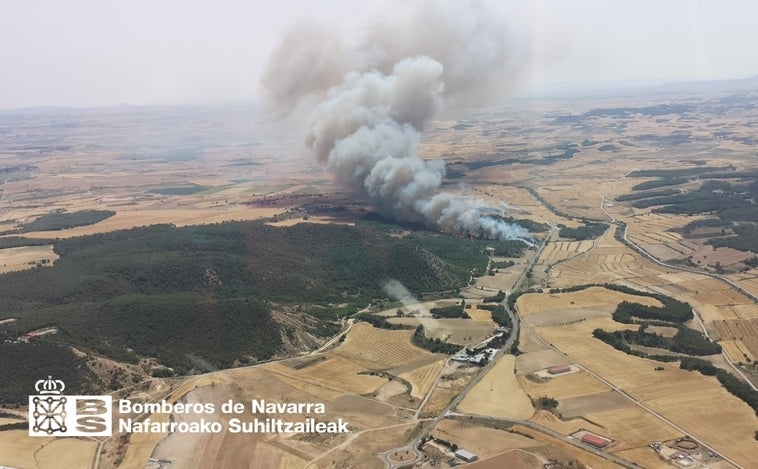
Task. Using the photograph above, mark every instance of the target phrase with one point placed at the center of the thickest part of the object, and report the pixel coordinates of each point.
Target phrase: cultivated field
(17, 449)
(423, 378)
(685, 398)
(483, 441)
(563, 386)
(336, 372)
(457, 331)
(561, 250)
(516, 459)
(477, 314)
(27, 257)
(380, 349)
(567, 308)
(498, 393)
(739, 338)
(653, 232)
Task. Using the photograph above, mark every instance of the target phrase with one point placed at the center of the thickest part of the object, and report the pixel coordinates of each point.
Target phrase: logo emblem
(53, 414)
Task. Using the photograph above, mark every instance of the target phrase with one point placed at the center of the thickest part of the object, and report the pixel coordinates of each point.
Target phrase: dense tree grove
(499, 315)
(454, 311)
(672, 311)
(590, 230)
(381, 322)
(63, 220)
(433, 345)
(25, 363)
(498, 298)
(685, 341)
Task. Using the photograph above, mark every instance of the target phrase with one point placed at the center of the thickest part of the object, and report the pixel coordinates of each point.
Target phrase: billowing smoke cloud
(374, 97)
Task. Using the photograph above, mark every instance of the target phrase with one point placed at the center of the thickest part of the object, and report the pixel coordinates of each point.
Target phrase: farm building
(556, 370)
(594, 440)
(467, 456)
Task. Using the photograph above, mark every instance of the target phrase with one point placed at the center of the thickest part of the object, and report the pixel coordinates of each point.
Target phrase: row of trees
(454, 311)
(672, 311)
(433, 345)
(381, 322)
(590, 230)
(686, 341)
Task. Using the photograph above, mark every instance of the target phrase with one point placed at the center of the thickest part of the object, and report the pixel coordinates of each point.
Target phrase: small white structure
(467, 456)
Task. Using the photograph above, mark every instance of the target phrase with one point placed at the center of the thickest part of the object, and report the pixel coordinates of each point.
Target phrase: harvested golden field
(561, 250)
(563, 386)
(513, 459)
(614, 262)
(477, 314)
(739, 337)
(581, 406)
(736, 329)
(275, 450)
(575, 196)
(632, 427)
(736, 351)
(709, 314)
(67, 453)
(498, 393)
(483, 441)
(750, 283)
(565, 426)
(335, 373)
(438, 400)
(363, 449)
(457, 331)
(26, 257)
(379, 349)
(422, 379)
(142, 445)
(125, 219)
(538, 358)
(18, 449)
(645, 457)
(562, 450)
(685, 398)
(591, 298)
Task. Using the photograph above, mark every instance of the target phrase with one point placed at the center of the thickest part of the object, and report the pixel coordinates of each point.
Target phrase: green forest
(24, 364)
(63, 220)
(207, 292)
(590, 230)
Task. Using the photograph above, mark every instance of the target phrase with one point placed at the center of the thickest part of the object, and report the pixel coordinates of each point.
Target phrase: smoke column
(397, 290)
(373, 98)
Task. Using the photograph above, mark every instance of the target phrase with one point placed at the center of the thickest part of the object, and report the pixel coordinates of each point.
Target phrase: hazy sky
(99, 52)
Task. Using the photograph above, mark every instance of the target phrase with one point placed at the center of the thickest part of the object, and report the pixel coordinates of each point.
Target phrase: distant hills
(739, 84)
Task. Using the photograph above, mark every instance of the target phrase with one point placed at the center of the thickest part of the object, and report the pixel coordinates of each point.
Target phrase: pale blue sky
(96, 52)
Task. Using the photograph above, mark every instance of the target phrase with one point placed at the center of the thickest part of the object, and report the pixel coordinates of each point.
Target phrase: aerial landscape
(393, 258)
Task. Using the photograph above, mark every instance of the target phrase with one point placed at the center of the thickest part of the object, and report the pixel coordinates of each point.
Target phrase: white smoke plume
(397, 290)
(375, 96)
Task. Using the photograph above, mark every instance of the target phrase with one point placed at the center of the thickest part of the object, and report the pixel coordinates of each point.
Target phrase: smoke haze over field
(372, 97)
